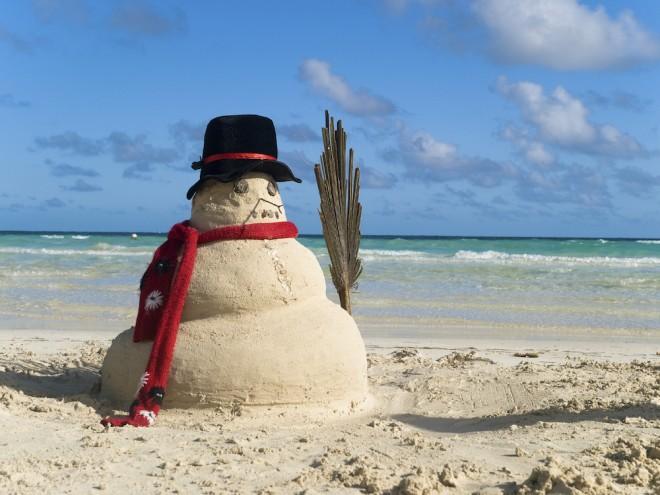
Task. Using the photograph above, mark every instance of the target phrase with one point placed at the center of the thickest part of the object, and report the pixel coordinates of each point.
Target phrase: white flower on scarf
(154, 300)
(143, 381)
(151, 417)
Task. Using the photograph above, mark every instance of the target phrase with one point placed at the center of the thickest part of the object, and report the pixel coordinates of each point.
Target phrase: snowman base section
(305, 353)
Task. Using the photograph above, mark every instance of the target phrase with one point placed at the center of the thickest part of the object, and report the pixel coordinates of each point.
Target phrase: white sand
(458, 414)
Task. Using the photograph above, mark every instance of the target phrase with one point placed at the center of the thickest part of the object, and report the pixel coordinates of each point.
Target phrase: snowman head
(252, 198)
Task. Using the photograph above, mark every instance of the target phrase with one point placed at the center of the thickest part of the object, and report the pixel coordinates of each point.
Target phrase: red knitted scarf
(163, 291)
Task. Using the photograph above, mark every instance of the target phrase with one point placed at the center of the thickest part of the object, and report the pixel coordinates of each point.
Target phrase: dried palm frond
(340, 210)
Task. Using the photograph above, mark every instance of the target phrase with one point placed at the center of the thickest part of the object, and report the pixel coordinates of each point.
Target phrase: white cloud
(565, 35)
(371, 178)
(574, 184)
(429, 159)
(428, 151)
(562, 119)
(536, 153)
(533, 150)
(319, 76)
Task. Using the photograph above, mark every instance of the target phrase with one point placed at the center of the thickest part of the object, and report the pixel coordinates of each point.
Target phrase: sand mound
(255, 359)
(625, 465)
(553, 478)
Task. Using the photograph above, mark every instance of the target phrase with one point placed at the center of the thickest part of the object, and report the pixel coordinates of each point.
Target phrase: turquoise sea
(89, 281)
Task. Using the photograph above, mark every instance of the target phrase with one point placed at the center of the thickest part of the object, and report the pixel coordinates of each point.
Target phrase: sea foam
(392, 255)
(73, 252)
(497, 256)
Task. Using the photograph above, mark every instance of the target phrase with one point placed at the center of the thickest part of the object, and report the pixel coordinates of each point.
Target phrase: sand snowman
(244, 317)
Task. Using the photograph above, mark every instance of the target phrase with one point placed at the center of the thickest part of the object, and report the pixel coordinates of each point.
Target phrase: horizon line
(364, 236)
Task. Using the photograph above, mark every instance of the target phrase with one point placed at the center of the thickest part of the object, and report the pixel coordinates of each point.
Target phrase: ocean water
(89, 281)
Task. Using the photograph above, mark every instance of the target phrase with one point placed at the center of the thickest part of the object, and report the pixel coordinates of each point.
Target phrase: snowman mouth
(266, 212)
(279, 207)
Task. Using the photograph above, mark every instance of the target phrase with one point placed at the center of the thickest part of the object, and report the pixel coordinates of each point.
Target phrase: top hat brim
(230, 170)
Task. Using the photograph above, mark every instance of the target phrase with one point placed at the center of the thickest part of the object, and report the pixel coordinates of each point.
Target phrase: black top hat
(237, 144)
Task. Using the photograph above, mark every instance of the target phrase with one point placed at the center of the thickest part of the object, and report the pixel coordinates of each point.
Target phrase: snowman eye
(241, 187)
(272, 188)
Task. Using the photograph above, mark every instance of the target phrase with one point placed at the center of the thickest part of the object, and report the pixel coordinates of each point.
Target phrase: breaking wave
(402, 255)
(118, 251)
(500, 257)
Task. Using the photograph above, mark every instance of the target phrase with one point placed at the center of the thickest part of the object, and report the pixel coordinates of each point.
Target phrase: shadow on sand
(82, 384)
(646, 411)
(55, 381)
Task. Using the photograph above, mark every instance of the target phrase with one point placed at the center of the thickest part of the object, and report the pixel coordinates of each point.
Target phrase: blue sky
(488, 117)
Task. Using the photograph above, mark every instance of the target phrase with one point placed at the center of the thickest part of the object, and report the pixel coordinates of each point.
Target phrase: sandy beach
(524, 366)
(445, 415)
(395, 247)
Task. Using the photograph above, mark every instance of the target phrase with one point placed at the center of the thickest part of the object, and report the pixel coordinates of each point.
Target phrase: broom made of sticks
(340, 209)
